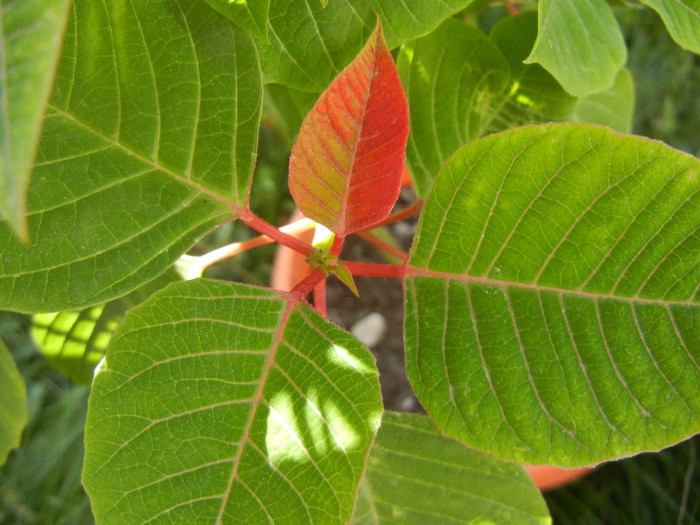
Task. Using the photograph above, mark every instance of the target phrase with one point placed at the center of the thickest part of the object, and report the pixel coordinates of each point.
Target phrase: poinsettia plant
(552, 291)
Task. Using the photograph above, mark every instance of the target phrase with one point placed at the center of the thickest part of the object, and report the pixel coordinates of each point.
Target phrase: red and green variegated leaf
(346, 165)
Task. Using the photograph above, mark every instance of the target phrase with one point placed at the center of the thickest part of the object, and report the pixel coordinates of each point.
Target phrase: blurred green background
(40, 483)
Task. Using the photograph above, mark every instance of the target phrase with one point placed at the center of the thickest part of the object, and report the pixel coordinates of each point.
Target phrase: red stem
(369, 237)
(402, 214)
(366, 269)
(303, 289)
(337, 246)
(320, 298)
(265, 228)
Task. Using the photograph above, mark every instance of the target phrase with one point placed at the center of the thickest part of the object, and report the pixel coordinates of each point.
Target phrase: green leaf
(309, 43)
(533, 96)
(682, 19)
(580, 43)
(410, 19)
(30, 40)
(147, 144)
(416, 475)
(76, 341)
(342, 273)
(221, 401)
(444, 118)
(286, 107)
(553, 305)
(613, 107)
(13, 404)
(250, 15)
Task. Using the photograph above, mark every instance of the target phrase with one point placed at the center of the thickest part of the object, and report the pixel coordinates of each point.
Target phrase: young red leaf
(346, 165)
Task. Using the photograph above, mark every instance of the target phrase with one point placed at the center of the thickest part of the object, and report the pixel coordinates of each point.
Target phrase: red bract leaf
(346, 165)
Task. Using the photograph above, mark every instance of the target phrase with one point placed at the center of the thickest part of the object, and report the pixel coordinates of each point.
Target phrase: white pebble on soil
(370, 329)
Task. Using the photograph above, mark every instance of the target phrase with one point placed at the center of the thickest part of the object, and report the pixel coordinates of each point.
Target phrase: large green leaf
(13, 403)
(30, 38)
(310, 43)
(448, 88)
(682, 19)
(76, 341)
(553, 304)
(533, 96)
(580, 43)
(250, 15)
(226, 403)
(147, 144)
(416, 475)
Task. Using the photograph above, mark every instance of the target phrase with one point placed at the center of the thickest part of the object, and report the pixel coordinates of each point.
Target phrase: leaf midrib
(343, 219)
(149, 162)
(412, 271)
(255, 402)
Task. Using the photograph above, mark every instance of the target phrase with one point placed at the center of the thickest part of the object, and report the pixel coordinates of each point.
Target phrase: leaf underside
(613, 107)
(225, 401)
(449, 89)
(309, 44)
(30, 38)
(580, 43)
(146, 146)
(347, 162)
(251, 16)
(552, 298)
(533, 96)
(682, 19)
(474, 86)
(75, 341)
(412, 466)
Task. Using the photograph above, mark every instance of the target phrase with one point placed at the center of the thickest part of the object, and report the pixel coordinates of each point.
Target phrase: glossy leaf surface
(346, 165)
(147, 144)
(249, 15)
(412, 466)
(76, 341)
(13, 403)
(30, 39)
(448, 88)
(682, 19)
(220, 402)
(580, 43)
(310, 43)
(553, 305)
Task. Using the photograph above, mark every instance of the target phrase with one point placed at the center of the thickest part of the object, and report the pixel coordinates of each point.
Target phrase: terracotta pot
(290, 267)
(547, 478)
